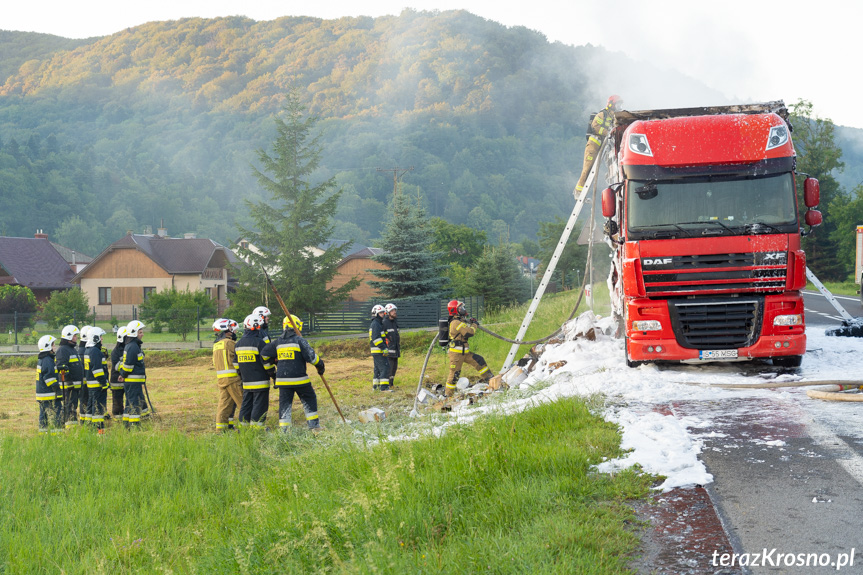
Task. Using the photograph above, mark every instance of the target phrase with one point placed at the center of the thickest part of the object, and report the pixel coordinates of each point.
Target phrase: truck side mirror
(609, 203)
(813, 217)
(811, 193)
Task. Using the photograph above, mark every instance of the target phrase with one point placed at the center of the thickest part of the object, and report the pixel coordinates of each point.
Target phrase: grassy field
(848, 288)
(507, 494)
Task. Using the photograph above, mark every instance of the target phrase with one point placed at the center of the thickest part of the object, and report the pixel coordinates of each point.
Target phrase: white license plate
(717, 354)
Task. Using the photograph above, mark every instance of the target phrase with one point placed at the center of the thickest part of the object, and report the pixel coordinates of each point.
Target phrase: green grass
(507, 494)
(848, 288)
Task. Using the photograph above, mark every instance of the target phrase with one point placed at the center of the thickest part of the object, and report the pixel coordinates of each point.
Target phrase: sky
(750, 51)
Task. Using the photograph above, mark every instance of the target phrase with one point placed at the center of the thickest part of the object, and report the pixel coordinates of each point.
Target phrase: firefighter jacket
(253, 371)
(47, 384)
(459, 332)
(116, 358)
(82, 356)
(291, 353)
(264, 334)
(225, 360)
(600, 126)
(376, 336)
(132, 368)
(67, 360)
(96, 367)
(391, 331)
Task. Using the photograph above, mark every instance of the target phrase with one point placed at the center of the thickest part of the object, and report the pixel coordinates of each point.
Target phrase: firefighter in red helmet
(600, 126)
(459, 353)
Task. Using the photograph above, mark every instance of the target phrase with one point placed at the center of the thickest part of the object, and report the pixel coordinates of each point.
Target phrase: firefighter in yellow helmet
(227, 375)
(600, 126)
(459, 351)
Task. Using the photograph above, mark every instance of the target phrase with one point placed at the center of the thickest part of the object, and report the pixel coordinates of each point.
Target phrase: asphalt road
(788, 473)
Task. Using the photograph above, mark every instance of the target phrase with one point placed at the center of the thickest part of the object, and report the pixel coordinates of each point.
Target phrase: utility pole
(397, 173)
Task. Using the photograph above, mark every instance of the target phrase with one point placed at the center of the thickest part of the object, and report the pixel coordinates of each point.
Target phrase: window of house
(148, 291)
(104, 296)
(209, 292)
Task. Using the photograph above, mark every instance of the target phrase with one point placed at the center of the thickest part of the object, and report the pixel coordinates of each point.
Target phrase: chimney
(190, 235)
(40, 236)
(162, 232)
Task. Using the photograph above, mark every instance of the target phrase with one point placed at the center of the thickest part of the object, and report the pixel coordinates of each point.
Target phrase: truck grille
(715, 274)
(715, 324)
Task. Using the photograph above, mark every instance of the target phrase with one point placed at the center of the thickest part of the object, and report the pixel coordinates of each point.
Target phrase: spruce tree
(287, 230)
(413, 270)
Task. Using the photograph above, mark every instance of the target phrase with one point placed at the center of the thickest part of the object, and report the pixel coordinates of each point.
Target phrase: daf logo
(774, 256)
(657, 261)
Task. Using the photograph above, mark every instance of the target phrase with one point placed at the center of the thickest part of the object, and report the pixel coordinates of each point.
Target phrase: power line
(397, 173)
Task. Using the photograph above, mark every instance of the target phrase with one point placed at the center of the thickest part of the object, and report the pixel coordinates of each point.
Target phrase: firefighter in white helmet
(227, 377)
(255, 373)
(394, 346)
(71, 373)
(84, 393)
(291, 352)
(377, 341)
(48, 392)
(263, 314)
(96, 370)
(116, 380)
(598, 129)
(134, 375)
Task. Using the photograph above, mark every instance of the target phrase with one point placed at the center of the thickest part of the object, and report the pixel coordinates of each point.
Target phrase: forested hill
(161, 122)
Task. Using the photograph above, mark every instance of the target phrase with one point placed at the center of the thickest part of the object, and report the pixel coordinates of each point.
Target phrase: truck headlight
(795, 319)
(778, 136)
(646, 325)
(638, 144)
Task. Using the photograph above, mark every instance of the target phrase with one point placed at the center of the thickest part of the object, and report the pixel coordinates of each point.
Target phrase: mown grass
(848, 288)
(507, 494)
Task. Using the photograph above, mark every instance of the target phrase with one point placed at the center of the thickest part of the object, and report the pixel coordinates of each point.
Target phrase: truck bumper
(649, 349)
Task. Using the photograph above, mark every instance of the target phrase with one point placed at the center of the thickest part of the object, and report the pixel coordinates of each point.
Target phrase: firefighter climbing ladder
(552, 264)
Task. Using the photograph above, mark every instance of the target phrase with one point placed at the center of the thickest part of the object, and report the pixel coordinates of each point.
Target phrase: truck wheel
(629, 362)
(788, 361)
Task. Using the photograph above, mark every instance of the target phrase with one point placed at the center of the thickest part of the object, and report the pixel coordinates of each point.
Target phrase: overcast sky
(751, 50)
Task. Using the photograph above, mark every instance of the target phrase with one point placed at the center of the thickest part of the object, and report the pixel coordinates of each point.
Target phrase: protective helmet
(45, 342)
(134, 327)
(94, 336)
(455, 307)
(378, 308)
(262, 312)
(252, 322)
(85, 332)
(122, 332)
(218, 325)
(615, 102)
(69, 332)
(390, 307)
(297, 322)
(232, 325)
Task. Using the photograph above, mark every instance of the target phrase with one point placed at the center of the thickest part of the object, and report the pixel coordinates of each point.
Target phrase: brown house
(34, 263)
(131, 268)
(356, 264)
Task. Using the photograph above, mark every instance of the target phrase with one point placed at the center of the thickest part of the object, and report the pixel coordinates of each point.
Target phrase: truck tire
(788, 361)
(629, 362)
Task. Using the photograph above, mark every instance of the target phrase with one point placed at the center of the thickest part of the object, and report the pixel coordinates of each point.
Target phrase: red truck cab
(707, 264)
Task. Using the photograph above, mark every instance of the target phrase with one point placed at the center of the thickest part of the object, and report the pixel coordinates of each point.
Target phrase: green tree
(497, 277)
(300, 219)
(16, 299)
(818, 155)
(573, 257)
(179, 310)
(413, 270)
(65, 307)
(456, 243)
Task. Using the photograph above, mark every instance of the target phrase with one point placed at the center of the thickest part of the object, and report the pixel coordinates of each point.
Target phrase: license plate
(717, 354)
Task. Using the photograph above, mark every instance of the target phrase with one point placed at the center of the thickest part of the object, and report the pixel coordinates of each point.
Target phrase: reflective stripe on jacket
(47, 384)
(133, 363)
(459, 332)
(225, 358)
(252, 369)
(376, 336)
(291, 353)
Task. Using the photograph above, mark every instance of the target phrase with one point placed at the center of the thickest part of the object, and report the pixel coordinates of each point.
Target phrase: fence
(354, 316)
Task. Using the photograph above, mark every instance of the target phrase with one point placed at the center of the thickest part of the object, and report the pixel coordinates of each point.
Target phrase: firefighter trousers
(84, 403)
(136, 404)
(50, 415)
(254, 408)
(381, 368)
(70, 406)
(308, 398)
(590, 151)
(456, 360)
(230, 397)
(97, 398)
(117, 403)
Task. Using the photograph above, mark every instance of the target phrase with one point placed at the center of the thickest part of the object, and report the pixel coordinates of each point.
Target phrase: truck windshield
(694, 207)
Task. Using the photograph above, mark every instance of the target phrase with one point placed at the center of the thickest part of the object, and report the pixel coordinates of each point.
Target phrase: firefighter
(380, 367)
(291, 353)
(48, 390)
(134, 374)
(227, 378)
(116, 380)
(95, 369)
(394, 346)
(597, 131)
(84, 394)
(255, 374)
(459, 351)
(264, 314)
(71, 372)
